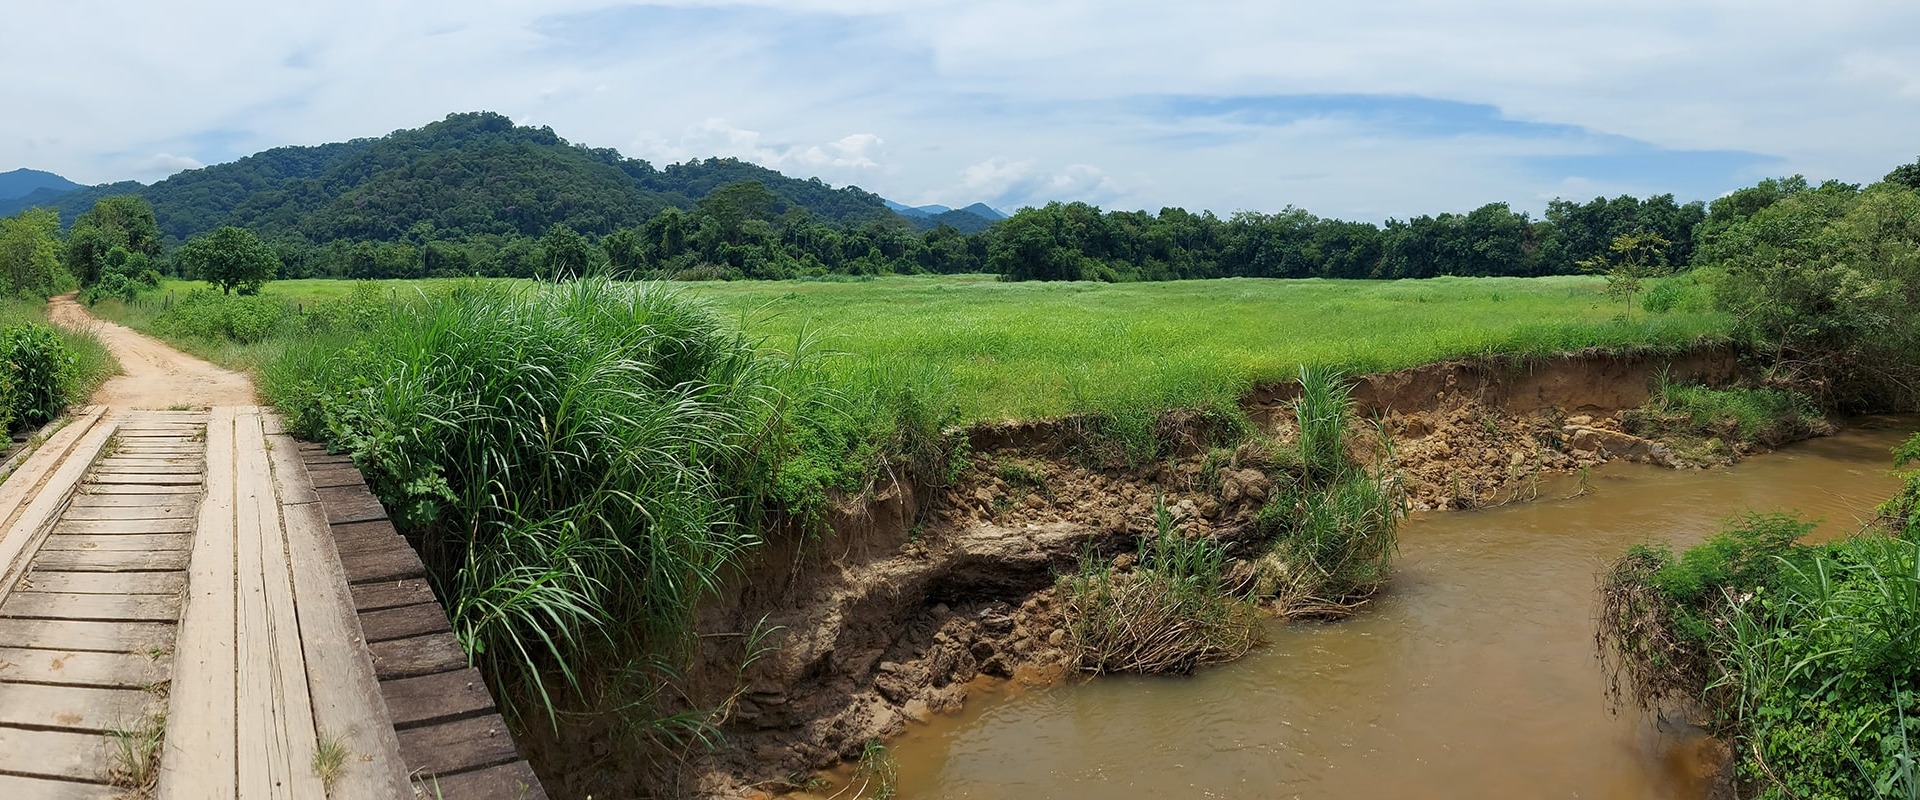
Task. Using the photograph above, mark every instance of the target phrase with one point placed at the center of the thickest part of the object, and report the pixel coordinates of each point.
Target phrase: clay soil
(918, 593)
(153, 375)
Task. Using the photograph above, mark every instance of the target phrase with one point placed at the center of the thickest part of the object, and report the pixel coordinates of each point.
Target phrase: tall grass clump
(1334, 526)
(576, 463)
(1806, 656)
(44, 369)
(1171, 612)
(1732, 416)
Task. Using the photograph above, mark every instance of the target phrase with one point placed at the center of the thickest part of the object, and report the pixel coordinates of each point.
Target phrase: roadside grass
(1032, 350)
(88, 364)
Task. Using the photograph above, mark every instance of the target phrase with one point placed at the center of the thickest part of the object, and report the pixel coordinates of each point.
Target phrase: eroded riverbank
(1473, 675)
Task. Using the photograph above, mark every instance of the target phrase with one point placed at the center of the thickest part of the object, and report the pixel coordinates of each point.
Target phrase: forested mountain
(22, 182)
(467, 175)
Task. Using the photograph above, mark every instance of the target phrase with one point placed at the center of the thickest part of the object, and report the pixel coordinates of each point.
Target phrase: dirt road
(156, 376)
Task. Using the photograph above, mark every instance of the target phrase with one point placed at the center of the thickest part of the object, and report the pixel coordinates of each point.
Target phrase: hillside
(467, 175)
(22, 182)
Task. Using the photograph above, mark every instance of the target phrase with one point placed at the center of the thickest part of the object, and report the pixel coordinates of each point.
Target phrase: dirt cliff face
(915, 592)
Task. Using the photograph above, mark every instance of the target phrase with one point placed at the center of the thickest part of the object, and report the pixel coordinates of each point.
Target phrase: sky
(1358, 110)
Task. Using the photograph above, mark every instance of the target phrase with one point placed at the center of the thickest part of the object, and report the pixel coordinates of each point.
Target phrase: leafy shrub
(1902, 511)
(1169, 613)
(1744, 415)
(40, 375)
(210, 315)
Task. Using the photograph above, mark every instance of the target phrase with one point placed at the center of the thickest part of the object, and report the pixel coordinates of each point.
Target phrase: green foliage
(39, 376)
(1334, 528)
(231, 259)
(1902, 511)
(1825, 283)
(30, 255)
(1753, 416)
(1806, 654)
(1631, 259)
(1168, 613)
(205, 314)
(124, 222)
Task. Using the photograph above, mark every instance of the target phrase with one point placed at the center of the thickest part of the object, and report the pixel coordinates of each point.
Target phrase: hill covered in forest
(471, 174)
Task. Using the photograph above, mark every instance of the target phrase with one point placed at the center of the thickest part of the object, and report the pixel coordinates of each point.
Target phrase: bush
(1169, 613)
(40, 375)
(1749, 416)
(213, 316)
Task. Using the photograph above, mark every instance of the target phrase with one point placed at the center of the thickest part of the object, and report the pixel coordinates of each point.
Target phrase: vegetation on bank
(46, 368)
(1806, 656)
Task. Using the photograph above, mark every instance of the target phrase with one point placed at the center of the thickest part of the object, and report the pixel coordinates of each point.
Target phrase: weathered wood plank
(103, 607)
(139, 489)
(120, 670)
(110, 637)
(350, 504)
(123, 526)
(337, 477)
(26, 481)
(403, 622)
(438, 697)
(458, 746)
(154, 511)
(74, 708)
(394, 562)
(191, 462)
(200, 744)
(25, 788)
(373, 531)
(514, 781)
(111, 560)
(392, 594)
(420, 655)
(131, 583)
(287, 736)
(118, 541)
(346, 693)
(289, 474)
(86, 499)
(60, 754)
(145, 479)
(34, 516)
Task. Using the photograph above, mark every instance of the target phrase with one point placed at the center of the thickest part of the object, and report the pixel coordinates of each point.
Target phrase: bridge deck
(185, 613)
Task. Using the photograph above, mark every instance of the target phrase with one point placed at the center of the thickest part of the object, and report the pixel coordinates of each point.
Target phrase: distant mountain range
(471, 174)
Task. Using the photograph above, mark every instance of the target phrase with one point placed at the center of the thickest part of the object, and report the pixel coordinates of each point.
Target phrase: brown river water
(1472, 676)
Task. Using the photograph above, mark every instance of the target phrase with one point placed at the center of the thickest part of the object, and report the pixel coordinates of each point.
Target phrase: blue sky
(1364, 111)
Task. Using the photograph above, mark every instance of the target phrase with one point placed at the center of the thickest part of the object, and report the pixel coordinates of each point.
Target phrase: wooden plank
(105, 607)
(111, 560)
(155, 511)
(25, 788)
(141, 479)
(199, 764)
(336, 477)
(351, 504)
(25, 482)
(458, 746)
(193, 462)
(123, 670)
(392, 594)
(74, 708)
(420, 655)
(82, 527)
(290, 477)
(514, 781)
(133, 583)
(59, 754)
(434, 698)
(403, 622)
(283, 736)
(118, 541)
(107, 637)
(35, 516)
(375, 530)
(346, 693)
(86, 499)
(139, 489)
(395, 562)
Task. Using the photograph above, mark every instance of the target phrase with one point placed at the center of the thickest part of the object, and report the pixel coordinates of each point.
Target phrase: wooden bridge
(195, 605)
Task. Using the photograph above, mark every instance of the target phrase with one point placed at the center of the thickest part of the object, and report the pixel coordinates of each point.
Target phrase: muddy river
(1472, 677)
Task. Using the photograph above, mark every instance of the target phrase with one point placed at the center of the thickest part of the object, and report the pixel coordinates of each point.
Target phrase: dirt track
(154, 375)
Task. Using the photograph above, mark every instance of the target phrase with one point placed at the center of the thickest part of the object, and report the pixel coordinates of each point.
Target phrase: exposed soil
(917, 592)
(153, 375)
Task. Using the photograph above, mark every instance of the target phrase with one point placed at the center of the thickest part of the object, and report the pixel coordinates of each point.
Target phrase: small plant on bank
(1334, 527)
(1170, 613)
(1717, 420)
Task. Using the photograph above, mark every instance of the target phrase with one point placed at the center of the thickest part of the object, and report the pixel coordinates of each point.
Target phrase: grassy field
(1030, 350)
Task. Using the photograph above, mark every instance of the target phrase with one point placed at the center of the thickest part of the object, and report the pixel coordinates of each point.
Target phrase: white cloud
(925, 99)
(166, 163)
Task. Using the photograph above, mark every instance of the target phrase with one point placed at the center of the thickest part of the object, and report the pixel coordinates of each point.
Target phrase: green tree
(124, 221)
(230, 258)
(566, 254)
(1907, 175)
(30, 253)
(1629, 261)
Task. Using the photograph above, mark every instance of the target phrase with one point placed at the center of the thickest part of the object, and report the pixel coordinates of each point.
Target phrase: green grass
(90, 363)
(1036, 350)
